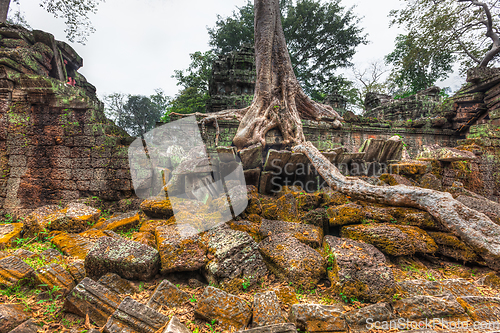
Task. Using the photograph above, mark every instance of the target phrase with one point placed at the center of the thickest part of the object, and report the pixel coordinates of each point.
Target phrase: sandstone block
(292, 261)
(307, 234)
(157, 207)
(167, 295)
(422, 307)
(9, 233)
(11, 316)
(318, 318)
(228, 310)
(129, 259)
(13, 271)
(28, 326)
(358, 319)
(122, 222)
(266, 310)
(175, 326)
(77, 270)
(115, 283)
(55, 278)
(276, 328)
(179, 253)
(358, 270)
(132, 316)
(92, 298)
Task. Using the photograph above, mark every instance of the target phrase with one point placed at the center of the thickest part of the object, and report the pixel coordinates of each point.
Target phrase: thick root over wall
(474, 228)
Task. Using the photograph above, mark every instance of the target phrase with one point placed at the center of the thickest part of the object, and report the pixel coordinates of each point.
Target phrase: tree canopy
(136, 114)
(417, 67)
(467, 29)
(75, 13)
(321, 38)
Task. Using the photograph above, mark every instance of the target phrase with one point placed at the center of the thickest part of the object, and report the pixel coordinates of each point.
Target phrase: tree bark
(472, 227)
(4, 10)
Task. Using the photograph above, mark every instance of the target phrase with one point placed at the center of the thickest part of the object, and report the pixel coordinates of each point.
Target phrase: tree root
(472, 227)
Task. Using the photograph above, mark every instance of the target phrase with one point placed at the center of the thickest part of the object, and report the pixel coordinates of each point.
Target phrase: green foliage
(321, 38)
(136, 114)
(417, 66)
(246, 282)
(460, 28)
(195, 81)
(76, 16)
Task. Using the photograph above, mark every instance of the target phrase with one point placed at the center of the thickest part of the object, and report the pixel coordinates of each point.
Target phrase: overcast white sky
(139, 43)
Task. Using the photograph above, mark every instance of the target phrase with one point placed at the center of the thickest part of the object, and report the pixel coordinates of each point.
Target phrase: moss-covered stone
(450, 246)
(350, 213)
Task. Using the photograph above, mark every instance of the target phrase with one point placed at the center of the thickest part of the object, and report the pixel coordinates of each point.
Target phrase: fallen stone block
(318, 318)
(307, 234)
(251, 157)
(276, 328)
(450, 246)
(167, 295)
(132, 316)
(9, 233)
(179, 253)
(427, 307)
(92, 298)
(122, 222)
(77, 270)
(230, 311)
(158, 207)
(55, 278)
(292, 261)
(14, 271)
(396, 240)
(481, 308)
(266, 310)
(129, 259)
(175, 326)
(358, 270)
(363, 319)
(445, 154)
(115, 283)
(28, 326)
(11, 316)
(349, 213)
(235, 256)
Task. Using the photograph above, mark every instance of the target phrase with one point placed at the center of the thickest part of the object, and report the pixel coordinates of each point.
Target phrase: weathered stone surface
(167, 295)
(350, 213)
(52, 255)
(158, 207)
(291, 260)
(236, 255)
(318, 318)
(358, 270)
(421, 307)
(115, 283)
(251, 157)
(228, 310)
(276, 328)
(75, 217)
(395, 179)
(121, 222)
(318, 217)
(9, 233)
(11, 316)
(286, 207)
(92, 298)
(175, 326)
(431, 181)
(266, 310)
(460, 287)
(307, 234)
(445, 154)
(129, 259)
(481, 308)
(450, 246)
(77, 270)
(454, 287)
(72, 244)
(132, 316)
(13, 271)
(286, 295)
(28, 326)
(180, 251)
(251, 227)
(361, 319)
(23, 254)
(392, 239)
(491, 280)
(410, 168)
(54, 275)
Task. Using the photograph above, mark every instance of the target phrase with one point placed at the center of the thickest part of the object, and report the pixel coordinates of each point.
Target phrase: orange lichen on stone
(410, 168)
(286, 295)
(158, 207)
(450, 246)
(287, 208)
(13, 271)
(350, 213)
(9, 233)
(121, 222)
(74, 245)
(55, 278)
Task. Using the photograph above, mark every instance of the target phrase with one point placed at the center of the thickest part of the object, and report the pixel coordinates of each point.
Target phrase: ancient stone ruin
(299, 256)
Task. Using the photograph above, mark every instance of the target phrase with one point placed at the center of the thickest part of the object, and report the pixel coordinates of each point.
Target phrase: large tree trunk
(4, 10)
(279, 101)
